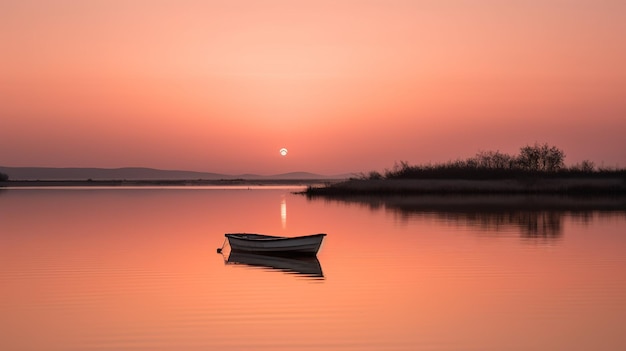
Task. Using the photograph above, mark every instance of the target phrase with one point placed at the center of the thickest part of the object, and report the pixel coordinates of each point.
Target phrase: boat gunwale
(264, 237)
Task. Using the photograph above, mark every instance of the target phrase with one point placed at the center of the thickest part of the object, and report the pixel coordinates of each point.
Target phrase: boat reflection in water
(307, 266)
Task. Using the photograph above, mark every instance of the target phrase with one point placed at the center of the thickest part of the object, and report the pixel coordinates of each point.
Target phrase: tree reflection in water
(531, 224)
(533, 216)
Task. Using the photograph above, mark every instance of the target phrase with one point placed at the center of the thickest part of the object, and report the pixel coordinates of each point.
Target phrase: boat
(306, 266)
(275, 245)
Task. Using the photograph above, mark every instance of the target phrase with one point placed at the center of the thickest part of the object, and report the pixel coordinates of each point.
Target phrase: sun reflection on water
(283, 213)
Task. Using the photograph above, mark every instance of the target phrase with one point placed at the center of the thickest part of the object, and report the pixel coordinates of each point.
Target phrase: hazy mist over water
(111, 269)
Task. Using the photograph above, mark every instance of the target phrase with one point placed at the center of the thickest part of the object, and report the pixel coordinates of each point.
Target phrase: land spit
(565, 186)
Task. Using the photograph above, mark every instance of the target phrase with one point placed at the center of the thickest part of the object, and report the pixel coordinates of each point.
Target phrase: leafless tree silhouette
(542, 158)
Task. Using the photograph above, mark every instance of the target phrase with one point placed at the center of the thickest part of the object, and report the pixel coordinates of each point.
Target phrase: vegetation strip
(538, 169)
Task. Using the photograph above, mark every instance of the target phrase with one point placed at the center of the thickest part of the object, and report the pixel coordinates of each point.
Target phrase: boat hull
(267, 244)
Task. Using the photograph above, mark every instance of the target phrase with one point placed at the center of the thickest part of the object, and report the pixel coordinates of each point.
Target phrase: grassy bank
(552, 185)
(537, 169)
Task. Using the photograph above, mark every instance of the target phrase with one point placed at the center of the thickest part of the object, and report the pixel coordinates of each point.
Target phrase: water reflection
(531, 224)
(135, 269)
(283, 212)
(532, 216)
(306, 266)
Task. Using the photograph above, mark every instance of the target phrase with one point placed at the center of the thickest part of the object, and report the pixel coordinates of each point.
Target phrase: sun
(283, 152)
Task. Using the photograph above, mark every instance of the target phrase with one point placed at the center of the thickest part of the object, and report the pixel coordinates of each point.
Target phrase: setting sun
(283, 152)
(192, 85)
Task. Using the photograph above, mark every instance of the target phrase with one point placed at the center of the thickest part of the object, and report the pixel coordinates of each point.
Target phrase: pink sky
(346, 86)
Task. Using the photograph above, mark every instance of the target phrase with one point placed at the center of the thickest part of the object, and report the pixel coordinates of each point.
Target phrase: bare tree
(543, 158)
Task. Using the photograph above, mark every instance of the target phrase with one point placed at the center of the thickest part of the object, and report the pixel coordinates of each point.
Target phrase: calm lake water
(137, 269)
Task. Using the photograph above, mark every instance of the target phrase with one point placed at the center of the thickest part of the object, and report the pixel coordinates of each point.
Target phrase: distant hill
(137, 173)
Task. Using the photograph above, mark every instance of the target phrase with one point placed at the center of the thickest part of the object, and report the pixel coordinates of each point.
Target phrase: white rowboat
(269, 244)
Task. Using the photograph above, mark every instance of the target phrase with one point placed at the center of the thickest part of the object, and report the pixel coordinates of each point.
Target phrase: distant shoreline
(556, 186)
(163, 182)
(341, 187)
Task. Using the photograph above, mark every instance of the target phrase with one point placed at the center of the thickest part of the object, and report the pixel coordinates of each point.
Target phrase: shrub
(4, 177)
(373, 175)
(585, 167)
(494, 160)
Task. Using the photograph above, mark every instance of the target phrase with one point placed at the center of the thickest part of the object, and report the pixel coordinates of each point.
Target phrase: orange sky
(346, 86)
